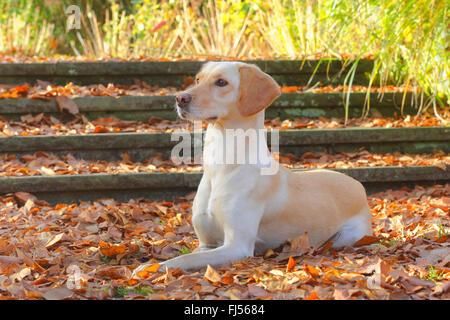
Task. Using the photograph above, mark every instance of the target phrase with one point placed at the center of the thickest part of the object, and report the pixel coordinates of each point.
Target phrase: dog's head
(227, 90)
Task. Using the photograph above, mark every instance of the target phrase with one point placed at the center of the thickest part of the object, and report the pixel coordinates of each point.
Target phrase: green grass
(189, 249)
(139, 289)
(441, 230)
(386, 242)
(105, 259)
(433, 275)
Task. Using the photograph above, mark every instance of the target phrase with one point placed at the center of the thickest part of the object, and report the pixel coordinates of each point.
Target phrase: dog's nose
(183, 99)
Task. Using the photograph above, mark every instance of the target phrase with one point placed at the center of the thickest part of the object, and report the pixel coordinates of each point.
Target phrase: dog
(238, 210)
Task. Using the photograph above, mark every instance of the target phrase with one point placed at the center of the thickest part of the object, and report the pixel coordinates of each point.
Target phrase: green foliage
(433, 275)
(139, 289)
(185, 250)
(442, 231)
(24, 29)
(105, 259)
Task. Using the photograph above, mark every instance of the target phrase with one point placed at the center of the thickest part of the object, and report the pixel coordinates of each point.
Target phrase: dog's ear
(257, 90)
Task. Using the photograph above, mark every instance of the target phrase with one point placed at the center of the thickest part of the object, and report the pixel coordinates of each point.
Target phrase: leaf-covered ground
(42, 163)
(88, 251)
(42, 125)
(46, 90)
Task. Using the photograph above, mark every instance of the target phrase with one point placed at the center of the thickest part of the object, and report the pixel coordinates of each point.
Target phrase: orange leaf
(113, 250)
(144, 274)
(325, 247)
(312, 271)
(442, 239)
(312, 296)
(101, 129)
(291, 264)
(228, 279)
(153, 268)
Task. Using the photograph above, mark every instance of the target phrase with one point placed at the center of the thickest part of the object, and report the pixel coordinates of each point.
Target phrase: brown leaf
(366, 240)
(442, 239)
(115, 273)
(89, 216)
(18, 276)
(22, 197)
(324, 248)
(441, 165)
(163, 209)
(212, 275)
(341, 294)
(256, 291)
(441, 287)
(114, 233)
(419, 282)
(9, 260)
(57, 294)
(300, 244)
(43, 84)
(67, 104)
(54, 240)
(126, 157)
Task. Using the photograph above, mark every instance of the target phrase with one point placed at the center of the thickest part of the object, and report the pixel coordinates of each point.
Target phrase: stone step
(141, 146)
(167, 186)
(287, 106)
(172, 73)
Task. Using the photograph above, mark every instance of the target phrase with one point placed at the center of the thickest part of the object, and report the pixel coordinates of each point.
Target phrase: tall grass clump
(222, 28)
(23, 32)
(412, 47)
(150, 30)
(171, 28)
(408, 40)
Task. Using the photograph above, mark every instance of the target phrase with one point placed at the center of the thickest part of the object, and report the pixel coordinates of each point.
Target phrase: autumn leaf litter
(42, 247)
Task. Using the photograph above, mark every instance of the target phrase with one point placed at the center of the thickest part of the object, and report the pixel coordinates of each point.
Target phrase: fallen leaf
(67, 104)
(144, 274)
(212, 275)
(57, 294)
(256, 291)
(300, 244)
(291, 264)
(54, 240)
(24, 196)
(312, 296)
(366, 240)
(9, 260)
(113, 250)
(21, 274)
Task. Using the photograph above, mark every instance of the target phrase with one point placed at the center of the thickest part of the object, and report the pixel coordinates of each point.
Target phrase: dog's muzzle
(183, 100)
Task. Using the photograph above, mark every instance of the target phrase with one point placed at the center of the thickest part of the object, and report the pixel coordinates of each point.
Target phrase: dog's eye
(221, 83)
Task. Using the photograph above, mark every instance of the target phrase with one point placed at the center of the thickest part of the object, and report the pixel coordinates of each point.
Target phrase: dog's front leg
(240, 231)
(206, 226)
